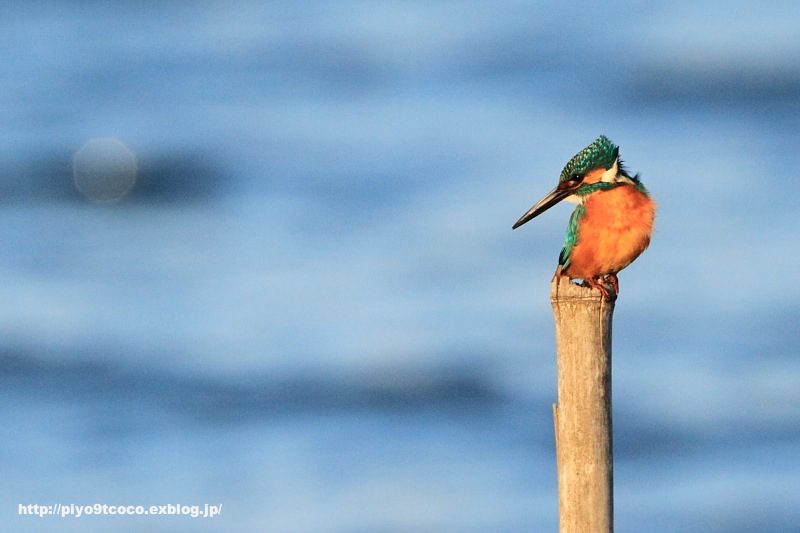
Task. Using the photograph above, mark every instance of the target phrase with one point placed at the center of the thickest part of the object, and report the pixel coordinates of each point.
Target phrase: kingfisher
(612, 224)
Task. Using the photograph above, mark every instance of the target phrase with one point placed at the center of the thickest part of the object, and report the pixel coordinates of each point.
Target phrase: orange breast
(614, 231)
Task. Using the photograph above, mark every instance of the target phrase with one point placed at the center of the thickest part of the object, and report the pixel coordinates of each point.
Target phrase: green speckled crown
(601, 153)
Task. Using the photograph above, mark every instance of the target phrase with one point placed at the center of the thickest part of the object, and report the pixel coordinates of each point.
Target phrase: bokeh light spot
(104, 169)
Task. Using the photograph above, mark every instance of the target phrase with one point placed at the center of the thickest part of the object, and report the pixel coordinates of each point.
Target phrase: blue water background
(311, 307)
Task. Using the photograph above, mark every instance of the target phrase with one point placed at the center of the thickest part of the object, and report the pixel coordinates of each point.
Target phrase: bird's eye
(573, 181)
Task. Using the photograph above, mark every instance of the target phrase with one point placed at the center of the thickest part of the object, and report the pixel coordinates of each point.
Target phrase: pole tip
(564, 290)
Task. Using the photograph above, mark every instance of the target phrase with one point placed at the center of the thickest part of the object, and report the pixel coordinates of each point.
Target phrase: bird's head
(596, 167)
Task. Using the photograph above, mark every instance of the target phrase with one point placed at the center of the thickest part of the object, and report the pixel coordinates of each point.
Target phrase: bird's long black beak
(552, 198)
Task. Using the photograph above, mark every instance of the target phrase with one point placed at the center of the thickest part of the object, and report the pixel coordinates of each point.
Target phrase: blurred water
(310, 307)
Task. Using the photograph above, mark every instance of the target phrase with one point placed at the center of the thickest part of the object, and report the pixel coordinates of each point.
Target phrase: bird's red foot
(599, 283)
(612, 278)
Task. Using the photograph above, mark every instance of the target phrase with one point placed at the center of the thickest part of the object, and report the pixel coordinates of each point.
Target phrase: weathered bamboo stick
(583, 414)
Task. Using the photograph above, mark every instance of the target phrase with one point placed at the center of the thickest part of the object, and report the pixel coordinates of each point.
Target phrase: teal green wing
(572, 236)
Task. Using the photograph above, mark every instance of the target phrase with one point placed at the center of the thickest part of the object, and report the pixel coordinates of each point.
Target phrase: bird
(612, 224)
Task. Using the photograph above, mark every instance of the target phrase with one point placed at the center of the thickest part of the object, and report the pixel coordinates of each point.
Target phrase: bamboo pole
(582, 416)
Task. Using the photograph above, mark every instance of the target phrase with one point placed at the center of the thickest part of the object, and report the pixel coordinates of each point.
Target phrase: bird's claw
(607, 286)
(612, 278)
